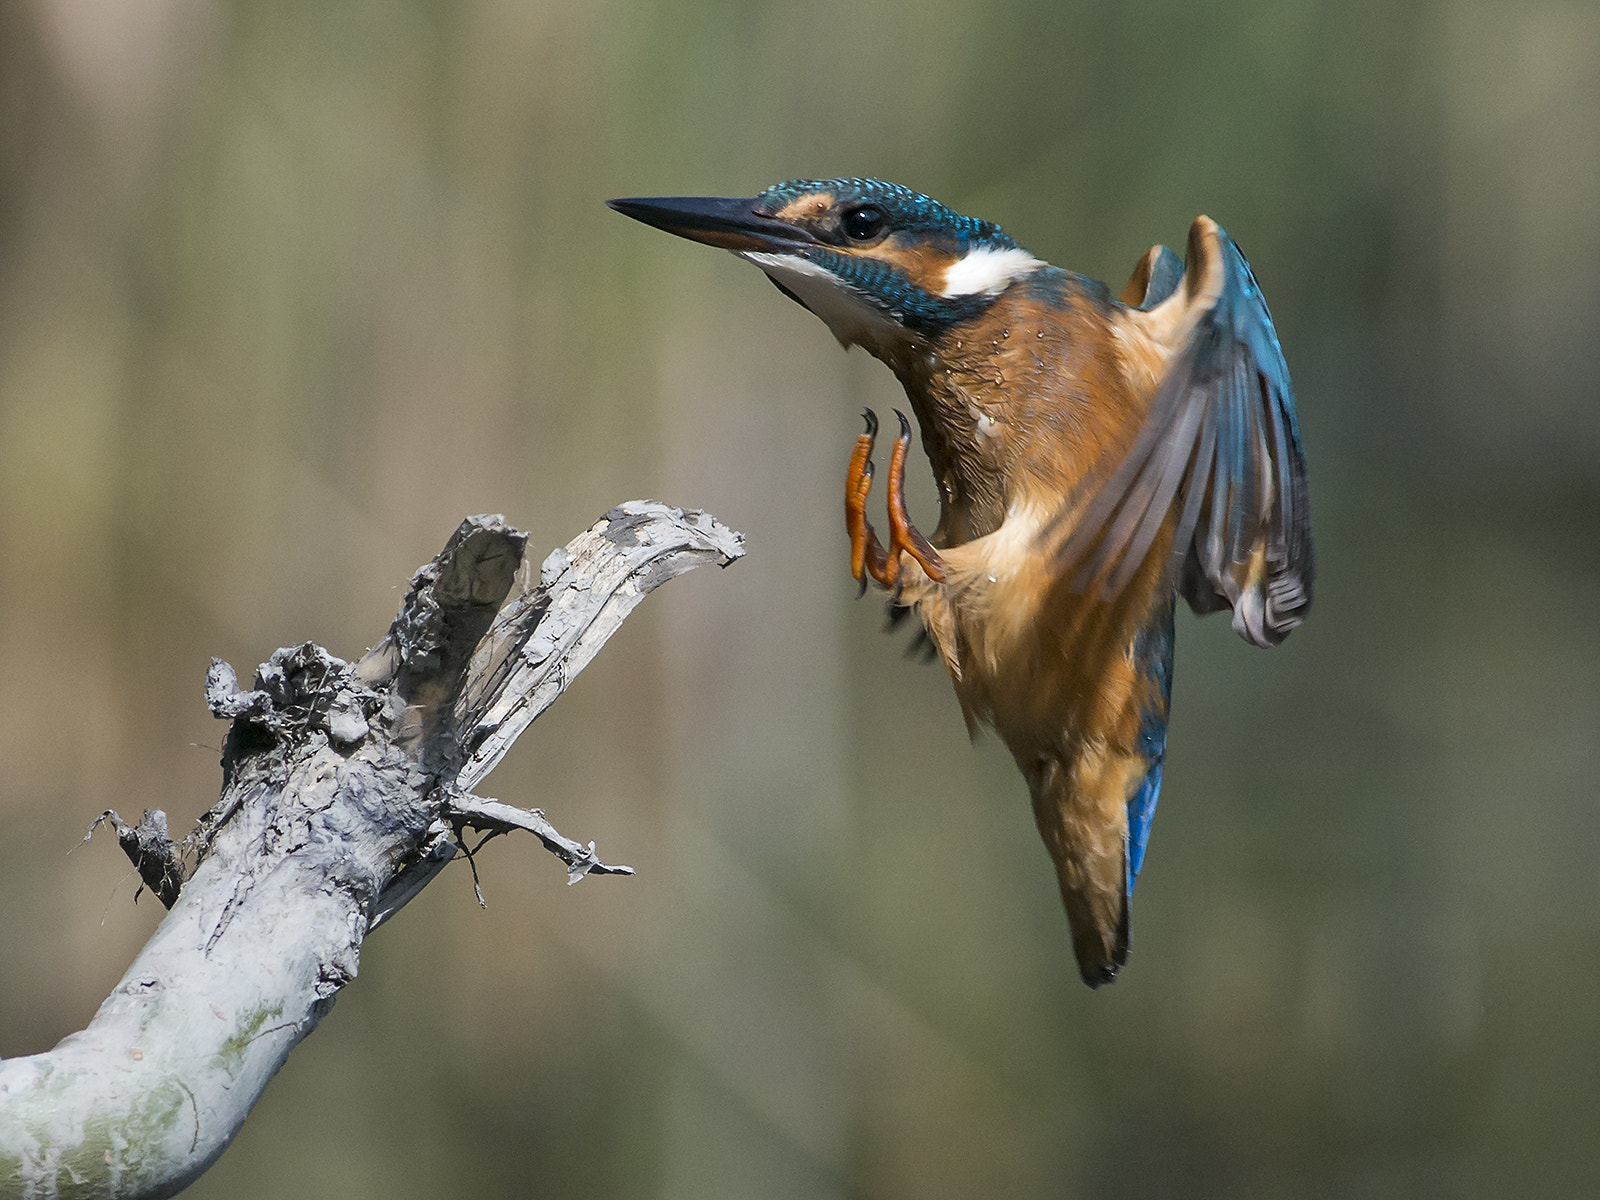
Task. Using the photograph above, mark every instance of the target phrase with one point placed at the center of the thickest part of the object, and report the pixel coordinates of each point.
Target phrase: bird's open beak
(730, 224)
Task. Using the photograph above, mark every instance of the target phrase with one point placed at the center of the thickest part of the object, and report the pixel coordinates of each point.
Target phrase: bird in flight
(1097, 455)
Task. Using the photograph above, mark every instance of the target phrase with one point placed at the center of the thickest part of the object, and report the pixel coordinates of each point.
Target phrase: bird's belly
(1065, 682)
(1051, 670)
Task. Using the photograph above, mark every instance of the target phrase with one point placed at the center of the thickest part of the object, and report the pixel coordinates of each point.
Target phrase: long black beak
(730, 224)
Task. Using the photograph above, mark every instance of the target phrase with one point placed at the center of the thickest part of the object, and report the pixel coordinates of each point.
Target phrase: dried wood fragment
(346, 788)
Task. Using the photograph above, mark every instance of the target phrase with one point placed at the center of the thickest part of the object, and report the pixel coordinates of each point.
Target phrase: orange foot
(867, 555)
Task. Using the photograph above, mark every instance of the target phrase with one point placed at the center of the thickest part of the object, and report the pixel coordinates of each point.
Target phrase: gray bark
(346, 788)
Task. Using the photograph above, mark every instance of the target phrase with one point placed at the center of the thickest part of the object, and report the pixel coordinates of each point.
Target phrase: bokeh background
(287, 288)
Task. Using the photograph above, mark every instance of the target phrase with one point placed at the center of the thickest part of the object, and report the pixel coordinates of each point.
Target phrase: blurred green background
(288, 288)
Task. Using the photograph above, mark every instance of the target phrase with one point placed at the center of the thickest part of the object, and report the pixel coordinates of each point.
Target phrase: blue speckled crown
(909, 213)
(907, 210)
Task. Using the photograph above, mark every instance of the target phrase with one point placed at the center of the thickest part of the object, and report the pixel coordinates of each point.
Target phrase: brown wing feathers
(1220, 433)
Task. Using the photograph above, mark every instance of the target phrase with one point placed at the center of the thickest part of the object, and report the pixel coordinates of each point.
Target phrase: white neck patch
(853, 318)
(985, 271)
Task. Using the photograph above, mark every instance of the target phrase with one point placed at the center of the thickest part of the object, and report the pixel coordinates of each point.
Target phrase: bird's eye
(862, 223)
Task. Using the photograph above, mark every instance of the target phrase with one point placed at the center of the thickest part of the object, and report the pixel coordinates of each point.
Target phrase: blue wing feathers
(1165, 277)
(1235, 367)
(1141, 810)
(1152, 652)
(1222, 444)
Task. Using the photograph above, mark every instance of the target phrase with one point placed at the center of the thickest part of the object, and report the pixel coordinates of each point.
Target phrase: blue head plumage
(876, 261)
(895, 248)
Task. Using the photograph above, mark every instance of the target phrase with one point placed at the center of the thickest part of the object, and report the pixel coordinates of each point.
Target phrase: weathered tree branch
(346, 788)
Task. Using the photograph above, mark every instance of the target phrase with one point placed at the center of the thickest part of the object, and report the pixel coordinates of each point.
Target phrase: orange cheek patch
(924, 265)
(806, 208)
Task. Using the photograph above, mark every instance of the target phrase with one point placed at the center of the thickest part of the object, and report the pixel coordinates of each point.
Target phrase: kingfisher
(1097, 455)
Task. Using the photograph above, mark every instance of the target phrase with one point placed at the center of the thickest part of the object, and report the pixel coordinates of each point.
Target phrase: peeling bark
(346, 788)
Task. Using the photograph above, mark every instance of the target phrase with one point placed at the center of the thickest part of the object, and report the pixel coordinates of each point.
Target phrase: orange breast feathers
(1050, 395)
(1052, 388)
(1023, 647)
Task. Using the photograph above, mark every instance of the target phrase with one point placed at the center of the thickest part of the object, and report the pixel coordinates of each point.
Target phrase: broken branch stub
(345, 788)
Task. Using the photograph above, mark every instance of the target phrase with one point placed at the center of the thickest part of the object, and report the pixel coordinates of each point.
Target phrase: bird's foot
(867, 555)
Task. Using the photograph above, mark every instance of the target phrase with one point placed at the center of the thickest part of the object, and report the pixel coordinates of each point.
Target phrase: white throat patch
(985, 271)
(853, 318)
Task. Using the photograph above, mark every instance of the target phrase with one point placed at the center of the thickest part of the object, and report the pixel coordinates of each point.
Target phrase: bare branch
(344, 791)
(497, 818)
(151, 850)
(540, 641)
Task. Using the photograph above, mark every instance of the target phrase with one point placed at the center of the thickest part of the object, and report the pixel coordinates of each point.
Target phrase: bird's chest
(1013, 406)
(1019, 412)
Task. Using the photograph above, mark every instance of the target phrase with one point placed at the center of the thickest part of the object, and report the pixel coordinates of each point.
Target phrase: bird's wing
(1219, 448)
(1156, 277)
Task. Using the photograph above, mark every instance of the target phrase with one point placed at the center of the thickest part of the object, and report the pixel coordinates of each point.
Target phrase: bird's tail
(1081, 810)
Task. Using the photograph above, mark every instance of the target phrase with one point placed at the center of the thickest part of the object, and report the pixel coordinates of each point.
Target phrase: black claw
(871, 418)
(869, 470)
(862, 590)
(905, 425)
